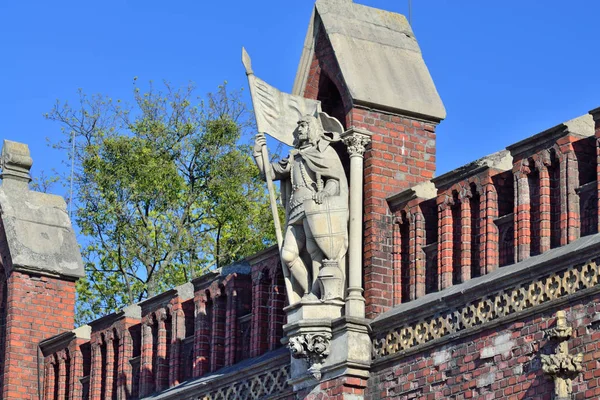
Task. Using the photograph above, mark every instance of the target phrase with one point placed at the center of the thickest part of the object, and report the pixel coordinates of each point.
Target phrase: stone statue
(314, 191)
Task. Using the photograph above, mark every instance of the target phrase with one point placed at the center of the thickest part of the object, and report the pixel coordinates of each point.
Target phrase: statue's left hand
(319, 197)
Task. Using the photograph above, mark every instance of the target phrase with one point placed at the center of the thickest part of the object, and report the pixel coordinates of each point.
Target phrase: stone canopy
(378, 44)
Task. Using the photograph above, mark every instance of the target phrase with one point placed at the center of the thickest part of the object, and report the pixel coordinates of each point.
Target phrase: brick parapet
(596, 116)
(268, 299)
(154, 334)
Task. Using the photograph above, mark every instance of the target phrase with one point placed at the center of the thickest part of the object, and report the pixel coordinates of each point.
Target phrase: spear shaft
(271, 188)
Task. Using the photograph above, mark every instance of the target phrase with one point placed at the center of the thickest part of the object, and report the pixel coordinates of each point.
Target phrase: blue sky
(504, 69)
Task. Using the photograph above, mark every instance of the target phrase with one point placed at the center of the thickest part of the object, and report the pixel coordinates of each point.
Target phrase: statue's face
(302, 132)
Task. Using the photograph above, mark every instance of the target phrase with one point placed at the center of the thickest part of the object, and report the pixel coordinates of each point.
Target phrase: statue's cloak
(321, 159)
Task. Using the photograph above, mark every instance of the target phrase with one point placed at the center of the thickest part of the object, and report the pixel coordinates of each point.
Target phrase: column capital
(356, 140)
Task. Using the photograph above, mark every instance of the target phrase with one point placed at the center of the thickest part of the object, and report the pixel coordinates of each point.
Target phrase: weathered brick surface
(37, 307)
(499, 363)
(342, 388)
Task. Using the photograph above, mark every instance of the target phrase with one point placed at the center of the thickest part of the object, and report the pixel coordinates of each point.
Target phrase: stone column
(356, 140)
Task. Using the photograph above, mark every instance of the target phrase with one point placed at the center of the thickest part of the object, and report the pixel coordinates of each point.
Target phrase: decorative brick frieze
(561, 275)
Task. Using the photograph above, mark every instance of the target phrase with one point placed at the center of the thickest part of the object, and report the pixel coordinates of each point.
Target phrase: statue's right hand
(259, 142)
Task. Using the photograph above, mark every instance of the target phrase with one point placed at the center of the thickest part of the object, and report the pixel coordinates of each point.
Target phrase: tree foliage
(163, 191)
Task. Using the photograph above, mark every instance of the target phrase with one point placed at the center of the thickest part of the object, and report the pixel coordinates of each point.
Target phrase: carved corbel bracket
(561, 366)
(314, 347)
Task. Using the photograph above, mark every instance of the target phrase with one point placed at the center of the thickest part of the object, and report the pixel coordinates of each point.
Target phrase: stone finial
(561, 366)
(16, 163)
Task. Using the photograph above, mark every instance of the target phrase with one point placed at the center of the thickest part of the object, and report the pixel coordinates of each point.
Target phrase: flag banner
(277, 113)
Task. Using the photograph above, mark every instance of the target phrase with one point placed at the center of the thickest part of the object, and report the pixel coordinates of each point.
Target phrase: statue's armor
(304, 186)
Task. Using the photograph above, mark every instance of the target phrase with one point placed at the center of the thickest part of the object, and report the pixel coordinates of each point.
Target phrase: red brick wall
(268, 301)
(335, 389)
(499, 363)
(402, 153)
(38, 307)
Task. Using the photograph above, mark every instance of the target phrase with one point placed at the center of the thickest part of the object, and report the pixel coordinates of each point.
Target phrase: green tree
(163, 191)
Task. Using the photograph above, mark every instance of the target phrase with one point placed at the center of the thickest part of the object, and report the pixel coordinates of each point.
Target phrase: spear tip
(246, 61)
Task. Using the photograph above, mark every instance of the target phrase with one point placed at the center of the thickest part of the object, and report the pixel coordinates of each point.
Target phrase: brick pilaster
(397, 262)
(177, 335)
(109, 364)
(545, 229)
(62, 374)
(465, 235)
(96, 369)
(217, 341)
(161, 378)
(124, 369)
(522, 214)
(231, 327)
(260, 314)
(76, 372)
(276, 304)
(445, 241)
(417, 256)
(490, 238)
(146, 373)
(570, 219)
(49, 377)
(201, 336)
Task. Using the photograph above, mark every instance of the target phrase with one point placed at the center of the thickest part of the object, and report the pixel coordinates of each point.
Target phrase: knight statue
(314, 191)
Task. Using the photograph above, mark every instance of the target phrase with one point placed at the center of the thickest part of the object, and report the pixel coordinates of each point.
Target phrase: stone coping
(132, 311)
(61, 341)
(184, 292)
(582, 126)
(262, 255)
(500, 296)
(227, 376)
(501, 161)
(424, 190)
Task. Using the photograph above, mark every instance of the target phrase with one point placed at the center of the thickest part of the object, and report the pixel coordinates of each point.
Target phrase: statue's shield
(328, 223)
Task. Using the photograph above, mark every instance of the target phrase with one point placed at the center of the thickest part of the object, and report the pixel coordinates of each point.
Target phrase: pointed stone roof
(379, 58)
(36, 235)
